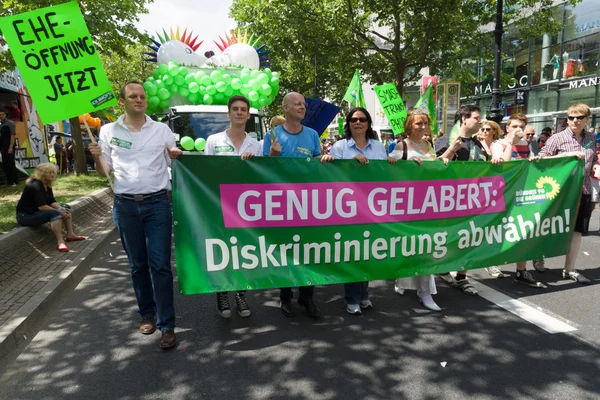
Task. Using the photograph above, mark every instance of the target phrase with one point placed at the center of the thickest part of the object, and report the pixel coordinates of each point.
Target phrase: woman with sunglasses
(416, 148)
(489, 133)
(359, 143)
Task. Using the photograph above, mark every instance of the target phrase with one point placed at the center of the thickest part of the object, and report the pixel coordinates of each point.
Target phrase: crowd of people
(139, 150)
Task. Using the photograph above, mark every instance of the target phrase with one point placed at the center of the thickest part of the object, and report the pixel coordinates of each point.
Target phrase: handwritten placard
(393, 106)
(58, 61)
(319, 114)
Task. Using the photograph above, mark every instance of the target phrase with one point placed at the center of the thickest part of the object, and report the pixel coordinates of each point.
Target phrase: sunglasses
(486, 129)
(361, 119)
(577, 117)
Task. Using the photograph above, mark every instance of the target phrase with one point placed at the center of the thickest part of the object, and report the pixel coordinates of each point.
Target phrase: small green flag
(427, 104)
(354, 95)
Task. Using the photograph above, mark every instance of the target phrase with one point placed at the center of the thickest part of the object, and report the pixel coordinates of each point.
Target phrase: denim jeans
(38, 218)
(145, 228)
(355, 292)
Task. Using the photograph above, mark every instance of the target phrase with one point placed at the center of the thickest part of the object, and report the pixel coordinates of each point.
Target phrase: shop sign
(486, 86)
(585, 82)
(521, 97)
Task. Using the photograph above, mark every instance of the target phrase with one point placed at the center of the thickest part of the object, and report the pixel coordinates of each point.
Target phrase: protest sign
(393, 106)
(58, 61)
(319, 114)
(295, 221)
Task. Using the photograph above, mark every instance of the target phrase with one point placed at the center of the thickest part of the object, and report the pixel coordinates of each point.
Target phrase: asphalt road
(89, 347)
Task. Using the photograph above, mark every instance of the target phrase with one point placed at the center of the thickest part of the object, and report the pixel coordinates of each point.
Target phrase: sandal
(466, 287)
(62, 247)
(75, 238)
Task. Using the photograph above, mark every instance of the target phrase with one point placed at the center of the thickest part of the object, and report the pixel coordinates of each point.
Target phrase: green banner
(280, 222)
(393, 106)
(58, 61)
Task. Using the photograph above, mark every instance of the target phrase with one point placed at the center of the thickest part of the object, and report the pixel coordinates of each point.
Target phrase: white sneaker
(399, 290)
(495, 272)
(364, 304)
(428, 302)
(353, 309)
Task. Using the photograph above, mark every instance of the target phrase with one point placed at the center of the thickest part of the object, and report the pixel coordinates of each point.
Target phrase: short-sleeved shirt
(346, 149)
(34, 196)
(219, 144)
(519, 151)
(305, 143)
(566, 141)
(471, 149)
(139, 160)
(7, 129)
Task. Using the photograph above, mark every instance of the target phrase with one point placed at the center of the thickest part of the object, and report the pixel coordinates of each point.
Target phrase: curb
(20, 328)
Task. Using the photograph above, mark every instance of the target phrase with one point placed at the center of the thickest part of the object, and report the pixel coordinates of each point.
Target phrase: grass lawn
(66, 188)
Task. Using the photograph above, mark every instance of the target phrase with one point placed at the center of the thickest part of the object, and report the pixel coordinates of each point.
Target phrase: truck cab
(201, 121)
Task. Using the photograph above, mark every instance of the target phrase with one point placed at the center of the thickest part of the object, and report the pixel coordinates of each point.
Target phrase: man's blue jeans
(145, 228)
(355, 292)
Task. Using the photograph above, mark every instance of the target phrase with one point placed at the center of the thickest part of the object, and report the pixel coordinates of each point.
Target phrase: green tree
(111, 25)
(388, 40)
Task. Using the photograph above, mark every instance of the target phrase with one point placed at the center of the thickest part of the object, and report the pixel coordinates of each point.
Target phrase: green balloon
(183, 71)
(207, 99)
(245, 89)
(245, 78)
(274, 81)
(164, 104)
(200, 143)
(173, 63)
(189, 78)
(173, 89)
(221, 86)
(219, 98)
(168, 80)
(265, 90)
(254, 73)
(173, 70)
(227, 78)
(187, 143)
(149, 86)
(228, 92)
(236, 83)
(215, 76)
(202, 91)
(205, 80)
(268, 71)
(262, 78)
(194, 98)
(256, 86)
(253, 95)
(193, 87)
(179, 80)
(211, 89)
(159, 84)
(154, 101)
(263, 101)
(164, 94)
(184, 91)
(275, 75)
(251, 82)
(156, 73)
(162, 69)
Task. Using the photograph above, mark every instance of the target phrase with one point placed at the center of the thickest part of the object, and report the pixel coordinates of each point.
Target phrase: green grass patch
(66, 188)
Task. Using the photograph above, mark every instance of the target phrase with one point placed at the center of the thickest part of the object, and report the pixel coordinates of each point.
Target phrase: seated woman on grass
(38, 206)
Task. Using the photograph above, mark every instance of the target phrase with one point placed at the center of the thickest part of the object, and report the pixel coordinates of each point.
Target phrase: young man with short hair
(234, 141)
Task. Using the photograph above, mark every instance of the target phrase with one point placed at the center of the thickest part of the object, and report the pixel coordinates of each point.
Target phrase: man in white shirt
(234, 142)
(139, 150)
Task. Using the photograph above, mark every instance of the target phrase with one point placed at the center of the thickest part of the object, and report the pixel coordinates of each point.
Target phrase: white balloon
(238, 54)
(174, 50)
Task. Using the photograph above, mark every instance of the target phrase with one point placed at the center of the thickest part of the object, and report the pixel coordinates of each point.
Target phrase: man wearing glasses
(575, 141)
(292, 139)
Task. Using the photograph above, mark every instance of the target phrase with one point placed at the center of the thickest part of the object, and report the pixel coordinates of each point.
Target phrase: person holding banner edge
(359, 142)
(234, 142)
(460, 145)
(139, 151)
(292, 139)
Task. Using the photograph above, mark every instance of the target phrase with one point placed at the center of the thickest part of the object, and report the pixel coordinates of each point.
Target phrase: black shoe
(287, 309)
(310, 307)
(223, 304)
(525, 278)
(243, 309)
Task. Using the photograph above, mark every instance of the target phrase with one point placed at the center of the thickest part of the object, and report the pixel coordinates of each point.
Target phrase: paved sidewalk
(34, 275)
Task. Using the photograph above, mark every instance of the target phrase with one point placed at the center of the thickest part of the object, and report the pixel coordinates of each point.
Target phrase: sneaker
(539, 265)
(576, 276)
(526, 278)
(495, 272)
(353, 309)
(365, 304)
(449, 279)
(242, 305)
(223, 304)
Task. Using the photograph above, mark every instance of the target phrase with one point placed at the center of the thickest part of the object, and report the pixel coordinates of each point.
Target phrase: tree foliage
(387, 40)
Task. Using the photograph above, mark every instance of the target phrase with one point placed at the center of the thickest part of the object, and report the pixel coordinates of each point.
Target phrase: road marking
(522, 310)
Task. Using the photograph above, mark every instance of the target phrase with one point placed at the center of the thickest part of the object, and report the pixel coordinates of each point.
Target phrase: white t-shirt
(219, 144)
(139, 160)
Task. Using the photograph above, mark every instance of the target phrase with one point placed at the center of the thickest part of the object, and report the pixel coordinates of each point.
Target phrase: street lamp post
(495, 112)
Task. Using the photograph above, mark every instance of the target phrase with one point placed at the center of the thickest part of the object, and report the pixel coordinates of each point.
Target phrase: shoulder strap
(404, 151)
